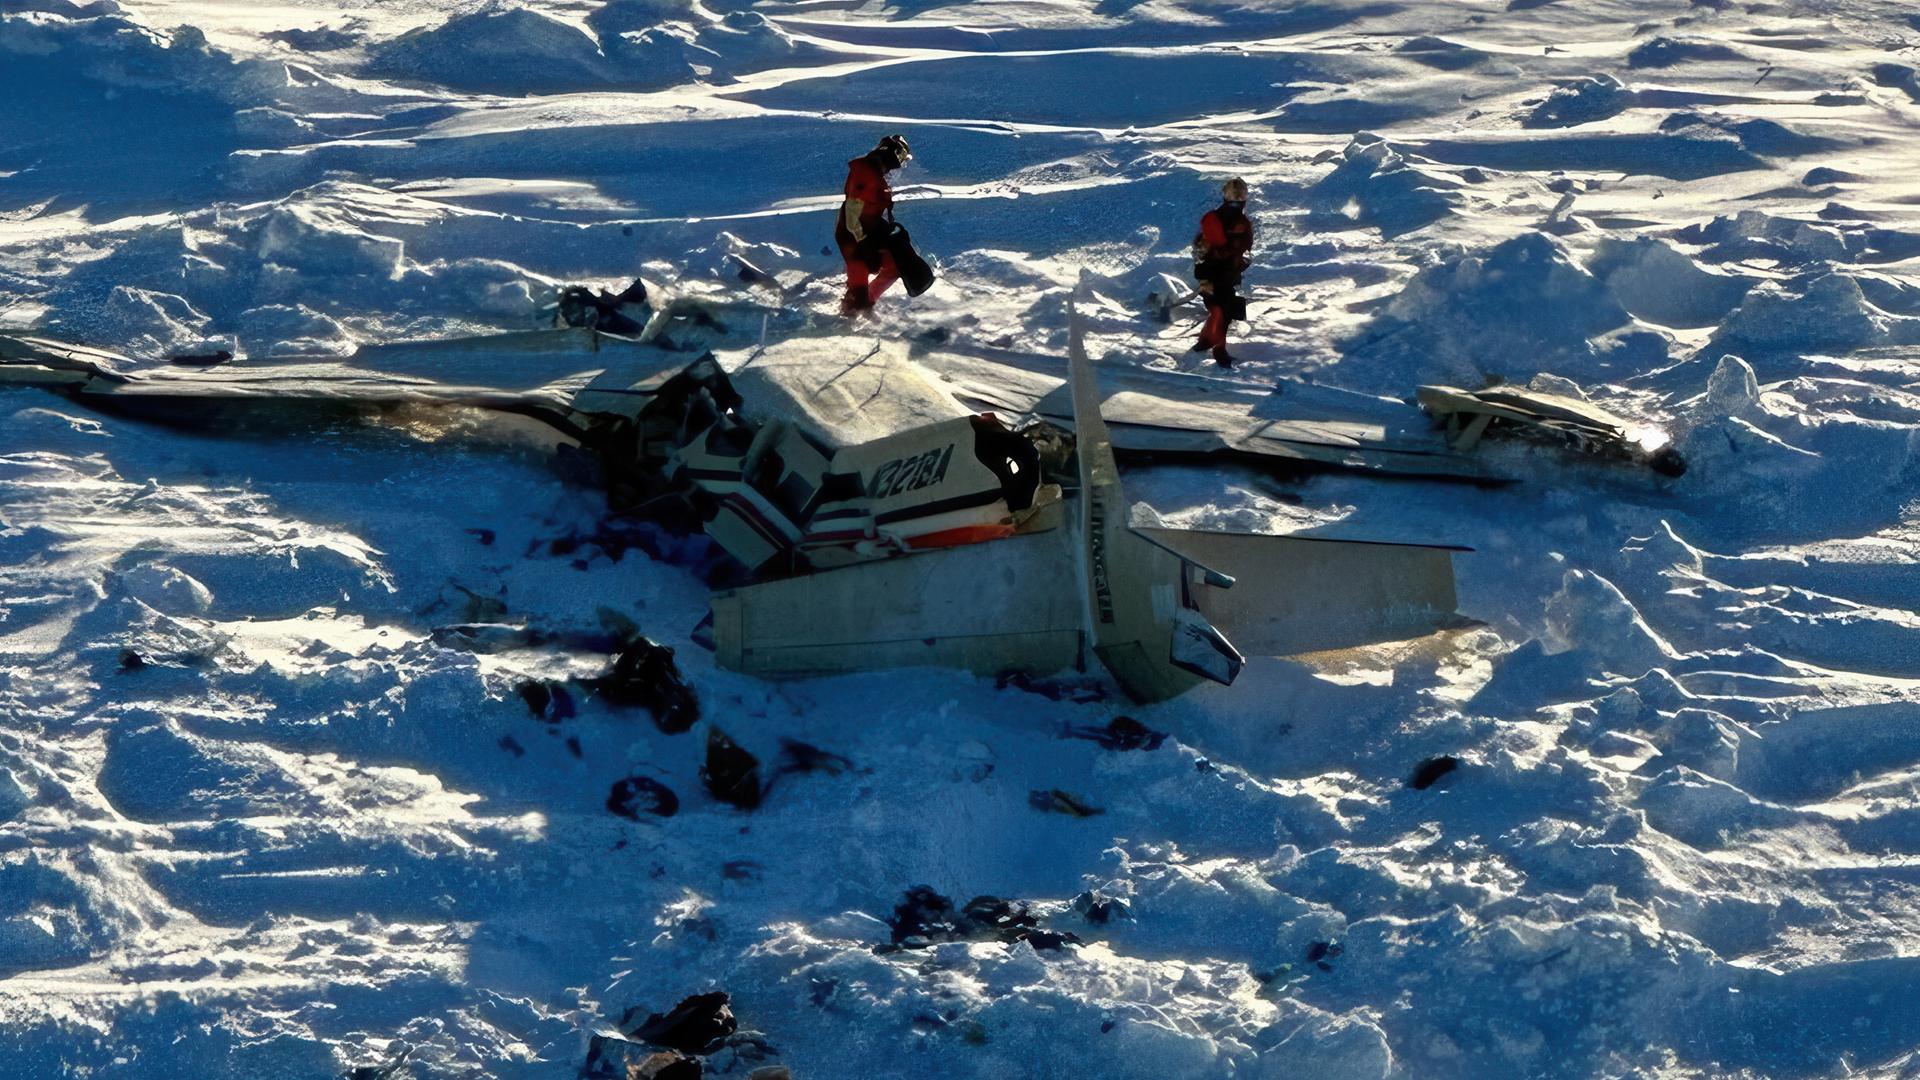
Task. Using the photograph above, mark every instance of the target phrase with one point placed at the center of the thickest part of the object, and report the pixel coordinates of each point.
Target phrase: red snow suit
(1221, 252)
(867, 183)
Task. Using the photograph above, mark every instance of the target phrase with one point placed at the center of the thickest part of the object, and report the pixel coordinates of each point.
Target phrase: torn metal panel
(762, 484)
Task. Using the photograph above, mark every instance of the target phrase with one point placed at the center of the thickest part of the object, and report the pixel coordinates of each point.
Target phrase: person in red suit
(1221, 253)
(866, 218)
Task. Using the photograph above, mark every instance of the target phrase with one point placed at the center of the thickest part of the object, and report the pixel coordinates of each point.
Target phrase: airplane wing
(1160, 414)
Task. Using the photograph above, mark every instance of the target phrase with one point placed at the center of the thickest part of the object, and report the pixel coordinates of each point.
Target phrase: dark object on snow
(731, 773)
(799, 757)
(1469, 414)
(1429, 772)
(664, 1066)
(998, 916)
(1078, 691)
(1100, 909)
(547, 700)
(537, 695)
(210, 359)
(624, 313)
(1049, 939)
(925, 915)
(925, 918)
(1320, 952)
(134, 660)
(645, 675)
(697, 1025)
(1059, 802)
(915, 274)
(1121, 733)
(641, 794)
(320, 39)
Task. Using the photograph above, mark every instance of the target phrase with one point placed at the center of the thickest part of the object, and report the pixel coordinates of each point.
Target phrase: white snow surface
(305, 835)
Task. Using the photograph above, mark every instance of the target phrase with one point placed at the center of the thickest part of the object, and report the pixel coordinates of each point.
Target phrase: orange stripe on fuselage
(956, 537)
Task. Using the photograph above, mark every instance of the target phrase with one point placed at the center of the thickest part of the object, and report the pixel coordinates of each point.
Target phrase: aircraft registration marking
(912, 473)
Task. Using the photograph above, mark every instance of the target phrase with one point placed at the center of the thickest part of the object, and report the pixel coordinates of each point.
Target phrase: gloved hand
(1206, 288)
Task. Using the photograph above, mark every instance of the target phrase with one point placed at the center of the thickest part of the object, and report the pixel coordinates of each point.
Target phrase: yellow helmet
(1235, 190)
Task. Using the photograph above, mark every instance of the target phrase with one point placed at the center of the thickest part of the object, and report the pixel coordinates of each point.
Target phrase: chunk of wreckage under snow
(883, 520)
(1560, 418)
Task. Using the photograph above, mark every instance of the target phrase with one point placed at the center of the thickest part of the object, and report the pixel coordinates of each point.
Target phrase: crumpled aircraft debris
(1569, 421)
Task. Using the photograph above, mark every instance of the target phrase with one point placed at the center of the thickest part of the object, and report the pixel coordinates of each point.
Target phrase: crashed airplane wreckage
(882, 517)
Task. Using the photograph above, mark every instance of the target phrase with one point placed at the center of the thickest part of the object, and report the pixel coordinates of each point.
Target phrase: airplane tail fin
(1141, 617)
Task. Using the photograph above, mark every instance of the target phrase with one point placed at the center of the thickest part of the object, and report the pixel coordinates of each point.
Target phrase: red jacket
(1223, 247)
(866, 182)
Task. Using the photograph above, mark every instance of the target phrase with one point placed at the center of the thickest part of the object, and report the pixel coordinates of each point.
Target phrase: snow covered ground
(257, 820)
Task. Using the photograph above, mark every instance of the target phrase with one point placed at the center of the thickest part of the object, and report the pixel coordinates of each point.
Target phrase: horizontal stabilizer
(1296, 594)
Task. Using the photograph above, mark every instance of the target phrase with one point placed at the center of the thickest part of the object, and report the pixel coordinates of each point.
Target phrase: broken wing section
(1470, 414)
(32, 361)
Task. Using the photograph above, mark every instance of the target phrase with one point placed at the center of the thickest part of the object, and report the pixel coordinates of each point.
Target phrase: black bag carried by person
(915, 274)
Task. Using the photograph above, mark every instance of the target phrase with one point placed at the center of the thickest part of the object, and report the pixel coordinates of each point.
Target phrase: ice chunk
(1732, 389)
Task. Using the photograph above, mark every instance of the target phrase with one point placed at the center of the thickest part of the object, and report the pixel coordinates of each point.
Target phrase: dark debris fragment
(697, 1025)
(638, 795)
(924, 918)
(645, 675)
(1056, 801)
(1429, 772)
(1121, 733)
(1099, 908)
(731, 774)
